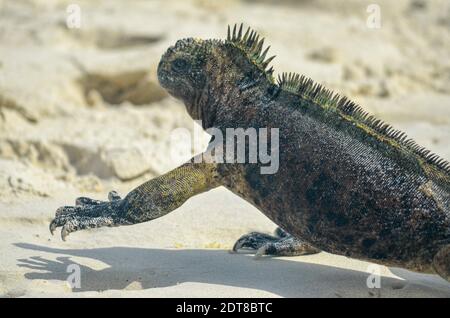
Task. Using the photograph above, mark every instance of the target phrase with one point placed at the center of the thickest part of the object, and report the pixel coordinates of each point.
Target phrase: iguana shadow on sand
(153, 268)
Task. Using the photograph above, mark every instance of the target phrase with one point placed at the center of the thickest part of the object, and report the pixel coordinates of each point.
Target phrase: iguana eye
(180, 65)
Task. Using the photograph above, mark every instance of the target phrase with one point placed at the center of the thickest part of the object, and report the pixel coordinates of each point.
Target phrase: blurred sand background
(81, 113)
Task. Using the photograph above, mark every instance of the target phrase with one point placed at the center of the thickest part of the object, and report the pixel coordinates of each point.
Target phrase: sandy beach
(82, 113)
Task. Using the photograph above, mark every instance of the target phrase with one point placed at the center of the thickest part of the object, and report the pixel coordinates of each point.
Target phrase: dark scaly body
(347, 183)
(339, 187)
(337, 191)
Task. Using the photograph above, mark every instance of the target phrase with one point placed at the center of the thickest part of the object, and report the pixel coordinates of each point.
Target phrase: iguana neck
(230, 82)
(202, 107)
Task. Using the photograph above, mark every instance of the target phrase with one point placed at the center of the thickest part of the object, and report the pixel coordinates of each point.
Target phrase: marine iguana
(347, 183)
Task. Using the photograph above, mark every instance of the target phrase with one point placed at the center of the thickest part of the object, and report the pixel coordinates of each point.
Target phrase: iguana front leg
(151, 200)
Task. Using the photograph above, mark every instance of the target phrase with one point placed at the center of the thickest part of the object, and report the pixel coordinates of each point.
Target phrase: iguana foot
(89, 213)
(283, 244)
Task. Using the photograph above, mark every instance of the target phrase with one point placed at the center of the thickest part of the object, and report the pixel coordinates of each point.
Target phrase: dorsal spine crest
(251, 44)
(325, 98)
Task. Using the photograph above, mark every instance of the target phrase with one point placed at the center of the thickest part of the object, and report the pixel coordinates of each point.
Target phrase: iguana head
(198, 71)
(182, 72)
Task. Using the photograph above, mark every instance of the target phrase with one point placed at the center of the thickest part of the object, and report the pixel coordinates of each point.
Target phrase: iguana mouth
(192, 104)
(163, 76)
(167, 81)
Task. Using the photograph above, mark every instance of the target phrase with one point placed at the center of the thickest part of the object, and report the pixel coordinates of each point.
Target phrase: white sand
(68, 130)
(181, 255)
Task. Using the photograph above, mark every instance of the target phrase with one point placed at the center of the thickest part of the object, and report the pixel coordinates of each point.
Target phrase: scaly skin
(347, 184)
(151, 200)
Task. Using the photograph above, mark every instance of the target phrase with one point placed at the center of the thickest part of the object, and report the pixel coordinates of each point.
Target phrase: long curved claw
(64, 233)
(59, 220)
(88, 213)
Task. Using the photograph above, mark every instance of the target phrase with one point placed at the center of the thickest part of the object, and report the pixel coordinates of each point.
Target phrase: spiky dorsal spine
(325, 98)
(251, 44)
